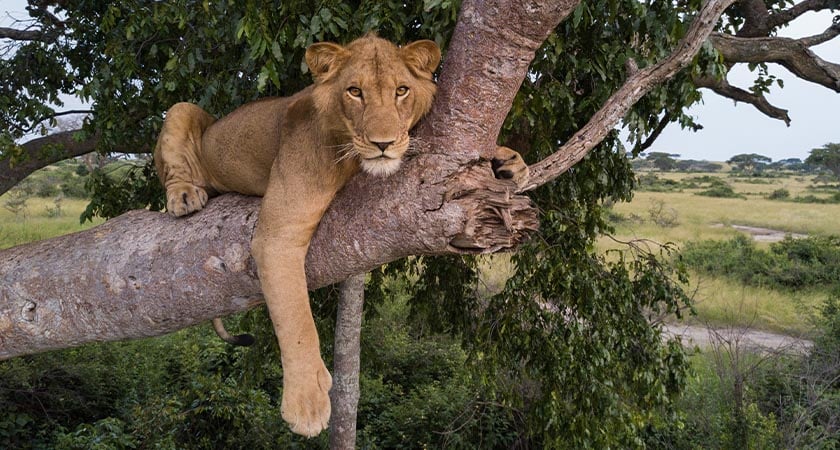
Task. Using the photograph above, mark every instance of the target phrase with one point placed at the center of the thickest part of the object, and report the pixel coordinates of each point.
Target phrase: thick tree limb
(793, 54)
(486, 62)
(637, 85)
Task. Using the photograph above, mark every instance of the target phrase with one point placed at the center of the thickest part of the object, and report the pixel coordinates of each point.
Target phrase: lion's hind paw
(184, 198)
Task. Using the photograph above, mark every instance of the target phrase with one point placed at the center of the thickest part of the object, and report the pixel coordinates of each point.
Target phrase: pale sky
(729, 129)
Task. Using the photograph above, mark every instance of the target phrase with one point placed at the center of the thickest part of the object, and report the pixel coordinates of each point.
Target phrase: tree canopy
(827, 156)
(569, 340)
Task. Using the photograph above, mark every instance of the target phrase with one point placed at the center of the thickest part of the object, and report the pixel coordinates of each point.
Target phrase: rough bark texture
(142, 274)
(344, 395)
(793, 54)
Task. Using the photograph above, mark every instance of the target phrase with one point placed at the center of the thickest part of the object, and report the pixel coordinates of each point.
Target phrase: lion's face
(373, 93)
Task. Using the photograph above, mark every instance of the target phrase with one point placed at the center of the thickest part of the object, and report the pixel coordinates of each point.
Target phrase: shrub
(662, 215)
(779, 194)
(719, 188)
(791, 263)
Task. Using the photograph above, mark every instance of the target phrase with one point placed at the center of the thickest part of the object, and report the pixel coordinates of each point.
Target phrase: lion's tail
(243, 340)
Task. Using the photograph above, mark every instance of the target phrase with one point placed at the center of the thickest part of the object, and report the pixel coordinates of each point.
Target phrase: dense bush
(189, 390)
(719, 188)
(792, 263)
(779, 194)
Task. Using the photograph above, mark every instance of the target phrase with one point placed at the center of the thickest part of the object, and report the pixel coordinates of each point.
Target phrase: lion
(297, 152)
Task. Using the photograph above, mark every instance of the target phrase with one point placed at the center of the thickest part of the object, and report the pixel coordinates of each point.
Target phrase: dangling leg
(285, 226)
(177, 158)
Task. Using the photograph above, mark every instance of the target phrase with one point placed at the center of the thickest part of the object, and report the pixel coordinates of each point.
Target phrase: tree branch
(723, 88)
(793, 54)
(620, 102)
(41, 152)
(790, 14)
(23, 35)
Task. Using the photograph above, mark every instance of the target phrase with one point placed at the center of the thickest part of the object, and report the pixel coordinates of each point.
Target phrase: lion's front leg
(280, 243)
(306, 381)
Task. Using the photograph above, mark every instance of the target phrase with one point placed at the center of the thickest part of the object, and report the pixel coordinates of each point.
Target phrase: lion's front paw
(508, 164)
(306, 400)
(184, 198)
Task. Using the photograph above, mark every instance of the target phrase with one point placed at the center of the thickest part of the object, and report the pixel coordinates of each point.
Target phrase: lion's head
(373, 92)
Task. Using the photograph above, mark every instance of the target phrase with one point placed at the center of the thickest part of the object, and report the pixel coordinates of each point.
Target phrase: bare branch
(795, 11)
(660, 127)
(344, 395)
(53, 116)
(23, 35)
(791, 53)
(622, 100)
(829, 34)
(723, 88)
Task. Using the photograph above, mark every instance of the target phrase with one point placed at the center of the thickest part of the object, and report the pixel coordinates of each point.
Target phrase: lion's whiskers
(346, 151)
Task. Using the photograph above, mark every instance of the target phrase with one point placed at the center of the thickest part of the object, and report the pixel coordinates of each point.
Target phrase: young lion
(297, 152)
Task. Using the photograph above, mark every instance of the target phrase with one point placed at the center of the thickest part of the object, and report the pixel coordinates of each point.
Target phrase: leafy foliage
(827, 156)
(792, 263)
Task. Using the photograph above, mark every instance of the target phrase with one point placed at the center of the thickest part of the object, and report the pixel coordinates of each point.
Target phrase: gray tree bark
(344, 395)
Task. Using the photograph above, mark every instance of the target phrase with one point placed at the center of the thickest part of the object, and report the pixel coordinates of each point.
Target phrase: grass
(724, 302)
(37, 224)
(721, 301)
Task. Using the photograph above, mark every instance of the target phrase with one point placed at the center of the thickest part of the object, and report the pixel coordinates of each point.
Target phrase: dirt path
(750, 339)
(764, 234)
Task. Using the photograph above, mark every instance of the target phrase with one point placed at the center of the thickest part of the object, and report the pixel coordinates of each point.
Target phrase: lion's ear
(422, 57)
(324, 58)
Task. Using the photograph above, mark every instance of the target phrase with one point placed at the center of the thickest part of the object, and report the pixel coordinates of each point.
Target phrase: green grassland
(40, 220)
(677, 214)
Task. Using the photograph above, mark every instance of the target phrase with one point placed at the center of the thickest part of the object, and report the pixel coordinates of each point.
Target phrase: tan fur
(298, 152)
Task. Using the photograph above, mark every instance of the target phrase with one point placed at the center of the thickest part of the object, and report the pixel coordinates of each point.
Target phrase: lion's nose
(383, 145)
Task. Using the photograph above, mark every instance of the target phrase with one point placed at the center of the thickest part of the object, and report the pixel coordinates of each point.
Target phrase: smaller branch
(23, 35)
(622, 100)
(723, 88)
(790, 14)
(53, 116)
(344, 395)
(829, 34)
(663, 123)
(41, 152)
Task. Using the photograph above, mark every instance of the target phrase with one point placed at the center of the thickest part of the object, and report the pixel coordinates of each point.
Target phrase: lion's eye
(355, 92)
(402, 90)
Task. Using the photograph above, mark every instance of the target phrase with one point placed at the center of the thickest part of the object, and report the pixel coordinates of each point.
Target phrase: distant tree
(662, 160)
(692, 165)
(749, 163)
(827, 156)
